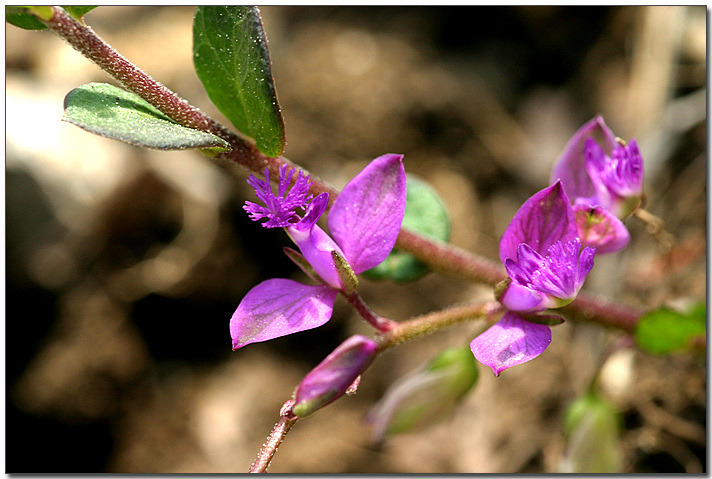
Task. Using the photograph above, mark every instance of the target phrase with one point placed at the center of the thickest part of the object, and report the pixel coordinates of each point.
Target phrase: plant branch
(441, 257)
(601, 310)
(431, 322)
(279, 432)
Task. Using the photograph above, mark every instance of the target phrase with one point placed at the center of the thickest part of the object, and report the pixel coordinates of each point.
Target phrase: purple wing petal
(545, 218)
(366, 217)
(278, 307)
(601, 229)
(511, 341)
(570, 166)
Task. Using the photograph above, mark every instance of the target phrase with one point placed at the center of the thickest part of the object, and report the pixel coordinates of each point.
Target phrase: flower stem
(380, 323)
(442, 257)
(279, 432)
(603, 311)
(429, 323)
(83, 39)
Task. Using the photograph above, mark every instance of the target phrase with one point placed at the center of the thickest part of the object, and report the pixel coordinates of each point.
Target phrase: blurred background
(124, 265)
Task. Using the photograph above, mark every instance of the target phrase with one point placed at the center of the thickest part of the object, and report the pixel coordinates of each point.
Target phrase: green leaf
(592, 427)
(666, 331)
(109, 111)
(232, 61)
(463, 372)
(78, 11)
(21, 17)
(425, 213)
(426, 395)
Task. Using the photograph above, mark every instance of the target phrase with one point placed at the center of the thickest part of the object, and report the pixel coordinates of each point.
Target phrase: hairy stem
(380, 323)
(601, 310)
(441, 257)
(429, 323)
(279, 432)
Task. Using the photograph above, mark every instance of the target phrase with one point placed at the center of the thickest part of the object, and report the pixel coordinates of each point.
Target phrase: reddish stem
(380, 323)
(429, 323)
(602, 310)
(279, 432)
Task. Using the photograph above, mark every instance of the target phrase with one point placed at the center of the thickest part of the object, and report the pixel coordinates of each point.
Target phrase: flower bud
(334, 376)
(424, 396)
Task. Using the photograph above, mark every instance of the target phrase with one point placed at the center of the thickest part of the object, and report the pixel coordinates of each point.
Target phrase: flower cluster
(364, 221)
(549, 247)
(547, 250)
(603, 175)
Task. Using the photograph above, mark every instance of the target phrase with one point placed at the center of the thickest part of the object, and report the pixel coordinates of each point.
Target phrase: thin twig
(279, 432)
(429, 323)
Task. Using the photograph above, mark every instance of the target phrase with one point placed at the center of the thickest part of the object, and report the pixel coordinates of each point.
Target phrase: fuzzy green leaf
(21, 17)
(232, 61)
(109, 111)
(425, 213)
(665, 331)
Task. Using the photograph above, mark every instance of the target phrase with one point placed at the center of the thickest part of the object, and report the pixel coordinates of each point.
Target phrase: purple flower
(542, 254)
(280, 209)
(601, 171)
(365, 220)
(547, 266)
(334, 376)
(570, 167)
(546, 281)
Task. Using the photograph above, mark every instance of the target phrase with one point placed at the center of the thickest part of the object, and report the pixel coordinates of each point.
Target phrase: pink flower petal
(316, 246)
(544, 219)
(570, 166)
(278, 307)
(601, 229)
(517, 297)
(366, 217)
(511, 341)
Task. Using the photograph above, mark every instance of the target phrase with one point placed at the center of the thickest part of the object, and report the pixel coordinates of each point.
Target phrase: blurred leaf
(665, 331)
(461, 367)
(426, 395)
(592, 427)
(78, 11)
(21, 17)
(425, 213)
(232, 61)
(115, 113)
